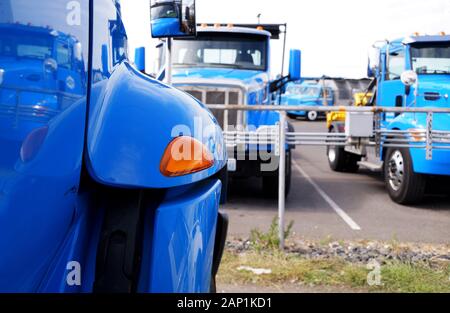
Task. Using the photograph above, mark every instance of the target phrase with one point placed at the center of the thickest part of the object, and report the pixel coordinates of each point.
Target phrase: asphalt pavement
(324, 204)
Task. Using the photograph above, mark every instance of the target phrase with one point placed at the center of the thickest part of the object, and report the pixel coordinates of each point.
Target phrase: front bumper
(297, 113)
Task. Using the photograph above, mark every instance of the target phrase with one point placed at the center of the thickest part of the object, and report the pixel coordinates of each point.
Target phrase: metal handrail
(427, 139)
(343, 109)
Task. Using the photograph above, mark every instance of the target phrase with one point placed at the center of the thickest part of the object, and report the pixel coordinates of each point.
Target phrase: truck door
(41, 141)
(391, 89)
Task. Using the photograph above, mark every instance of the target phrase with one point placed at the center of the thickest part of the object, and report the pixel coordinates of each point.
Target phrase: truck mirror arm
(279, 83)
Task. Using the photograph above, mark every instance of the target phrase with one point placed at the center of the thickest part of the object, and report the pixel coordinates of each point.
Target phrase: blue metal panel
(42, 114)
(180, 249)
(79, 246)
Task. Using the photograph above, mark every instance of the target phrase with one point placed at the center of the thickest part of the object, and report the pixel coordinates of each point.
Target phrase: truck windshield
(222, 50)
(431, 59)
(164, 10)
(25, 45)
(303, 90)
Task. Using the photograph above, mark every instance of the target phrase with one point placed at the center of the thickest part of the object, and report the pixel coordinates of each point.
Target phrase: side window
(63, 55)
(396, 65)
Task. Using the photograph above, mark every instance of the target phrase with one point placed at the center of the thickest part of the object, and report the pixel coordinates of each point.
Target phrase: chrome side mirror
(50, 66)
(409, 78)
(173, 18)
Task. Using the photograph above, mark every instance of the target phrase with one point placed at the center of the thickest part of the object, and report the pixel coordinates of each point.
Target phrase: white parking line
(327, 198)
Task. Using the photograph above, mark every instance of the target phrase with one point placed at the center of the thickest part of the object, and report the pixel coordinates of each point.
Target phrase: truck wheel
(270, 183)
(312, 116)
(341, 160)
(403, 185)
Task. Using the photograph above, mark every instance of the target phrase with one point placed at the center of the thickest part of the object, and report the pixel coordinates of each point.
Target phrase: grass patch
(291, 269)
(269, 240)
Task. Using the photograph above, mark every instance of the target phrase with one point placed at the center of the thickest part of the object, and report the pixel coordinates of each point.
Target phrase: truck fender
(132, 120)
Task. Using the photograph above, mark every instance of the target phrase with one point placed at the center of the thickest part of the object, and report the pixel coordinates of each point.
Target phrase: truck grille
(220, 96)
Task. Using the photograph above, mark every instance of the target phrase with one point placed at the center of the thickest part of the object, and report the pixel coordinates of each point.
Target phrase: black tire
(404, 186)
(270, 183)
(341, 160)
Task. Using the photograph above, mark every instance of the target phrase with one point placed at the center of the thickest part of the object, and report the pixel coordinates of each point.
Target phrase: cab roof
(34, 29)
(399, 42)
(270, 30)
(235, 30)
(426, 38)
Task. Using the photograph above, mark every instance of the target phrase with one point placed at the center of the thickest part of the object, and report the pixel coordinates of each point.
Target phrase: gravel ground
(360, 251)
(285, 288)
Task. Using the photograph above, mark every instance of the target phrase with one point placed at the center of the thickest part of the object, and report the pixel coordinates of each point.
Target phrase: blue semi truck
(408, 72)
(230, 65)
(308, 94)
(44, 60)
(93, 196)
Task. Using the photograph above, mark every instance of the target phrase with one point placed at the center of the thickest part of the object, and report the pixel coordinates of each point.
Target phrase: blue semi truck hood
(247, 77)
(26, 72)
(433, 86)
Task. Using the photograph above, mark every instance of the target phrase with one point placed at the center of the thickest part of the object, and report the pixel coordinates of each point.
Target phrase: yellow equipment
(359, 99)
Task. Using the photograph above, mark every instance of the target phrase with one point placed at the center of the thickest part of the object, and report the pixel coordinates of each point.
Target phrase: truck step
(374, 167)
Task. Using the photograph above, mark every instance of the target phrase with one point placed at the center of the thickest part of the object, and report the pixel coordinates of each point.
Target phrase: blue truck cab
(97, 191)
(44, 60)
(230, 65)
(308, 94)
(408, 72)
(429, 57)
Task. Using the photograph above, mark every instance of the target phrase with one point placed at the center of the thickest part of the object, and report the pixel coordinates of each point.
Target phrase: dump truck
(411, 72)
(229, 65)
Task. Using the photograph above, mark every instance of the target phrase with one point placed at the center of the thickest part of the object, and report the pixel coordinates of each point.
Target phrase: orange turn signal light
(418, 135)
(185, 155)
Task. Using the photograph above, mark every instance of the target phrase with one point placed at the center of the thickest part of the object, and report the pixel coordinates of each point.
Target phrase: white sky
(334, 35)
